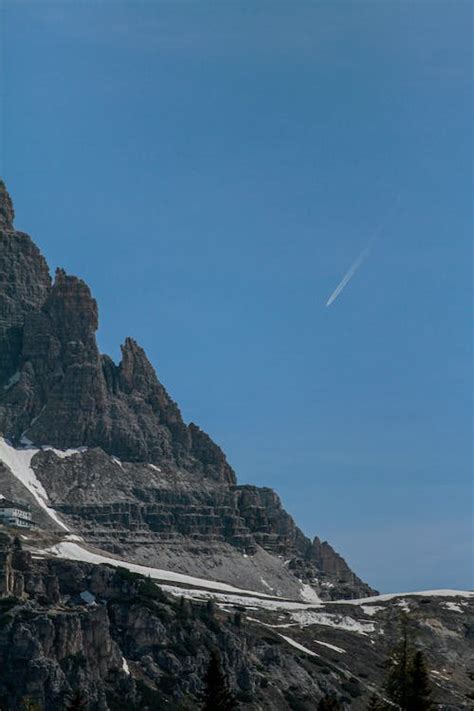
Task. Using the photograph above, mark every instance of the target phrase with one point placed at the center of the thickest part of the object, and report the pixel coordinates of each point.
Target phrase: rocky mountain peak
(60, 391)
(7, 213)
(72, 311)
(136, 371)
(57, 389)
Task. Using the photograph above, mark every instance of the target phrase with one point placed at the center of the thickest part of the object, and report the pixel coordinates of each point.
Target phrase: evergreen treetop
(217, 694)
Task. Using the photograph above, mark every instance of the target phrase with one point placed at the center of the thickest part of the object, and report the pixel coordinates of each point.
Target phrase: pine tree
(238, 619)
(210, 608)
(329, 703)
(398, 677)
(420, 692)
(407, 682)
(184, 609)
(217, 695)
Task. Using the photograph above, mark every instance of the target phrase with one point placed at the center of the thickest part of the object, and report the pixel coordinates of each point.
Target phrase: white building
(12, 513)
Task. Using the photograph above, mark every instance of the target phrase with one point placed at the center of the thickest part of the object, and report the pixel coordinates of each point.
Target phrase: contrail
(349, 274)
(361, 258)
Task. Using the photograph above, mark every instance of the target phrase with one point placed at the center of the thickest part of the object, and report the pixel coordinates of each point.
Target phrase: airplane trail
(348, 275)
(361, 258)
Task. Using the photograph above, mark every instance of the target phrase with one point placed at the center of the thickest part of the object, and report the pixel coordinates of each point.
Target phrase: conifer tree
(184, 609)
(217, 695)
(398, 677)
(407, 683)
(420, 692)
(210, 608)
(238, 619)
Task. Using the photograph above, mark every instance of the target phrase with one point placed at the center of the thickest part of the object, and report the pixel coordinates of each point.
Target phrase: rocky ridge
(142, 482)
(124, 642)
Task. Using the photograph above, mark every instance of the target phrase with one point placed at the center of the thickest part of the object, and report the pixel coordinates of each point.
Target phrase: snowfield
(421, 593)
(301, 613)
(73, 551)
(19, 463)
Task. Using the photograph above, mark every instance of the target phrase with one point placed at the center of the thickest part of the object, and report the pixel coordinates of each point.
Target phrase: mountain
(140, 482)
(147, 555)
(125, 643)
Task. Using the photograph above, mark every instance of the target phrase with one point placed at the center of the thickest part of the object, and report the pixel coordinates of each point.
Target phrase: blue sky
(212, 169)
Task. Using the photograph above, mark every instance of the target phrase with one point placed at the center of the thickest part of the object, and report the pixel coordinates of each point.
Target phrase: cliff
(120, 641)
(143, 482)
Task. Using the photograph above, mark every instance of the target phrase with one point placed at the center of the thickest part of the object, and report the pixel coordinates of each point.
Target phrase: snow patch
(331, 646)
(63, 453)
(404, 605)
(309, 594)
(73, 551)
(264, 582)
(266, 624)
(371, 610)
(157, 469)
(125, 666)
(19, 463)
(453, 606)
(306, 617)
(117, 461)
(249, 602)
(296, 645)
(392, 596)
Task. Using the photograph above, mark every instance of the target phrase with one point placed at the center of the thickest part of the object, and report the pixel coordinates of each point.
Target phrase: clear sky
(212, 169)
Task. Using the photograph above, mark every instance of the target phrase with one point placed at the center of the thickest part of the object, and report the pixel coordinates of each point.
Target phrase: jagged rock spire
(7, 213)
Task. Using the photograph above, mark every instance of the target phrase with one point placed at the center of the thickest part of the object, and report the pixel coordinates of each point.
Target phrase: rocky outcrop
(210, 456)
(7, 213)
(119, 641)
(24, 284)
(56, 389)
(169, 518)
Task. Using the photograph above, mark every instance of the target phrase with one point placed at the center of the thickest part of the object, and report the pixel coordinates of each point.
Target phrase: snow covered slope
(19, 463)
(201, 588)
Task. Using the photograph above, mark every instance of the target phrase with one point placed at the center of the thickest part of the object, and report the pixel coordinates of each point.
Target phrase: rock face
(173, 488)
(122, 642)
(117, 639)
(57, 389)
(24, 284)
